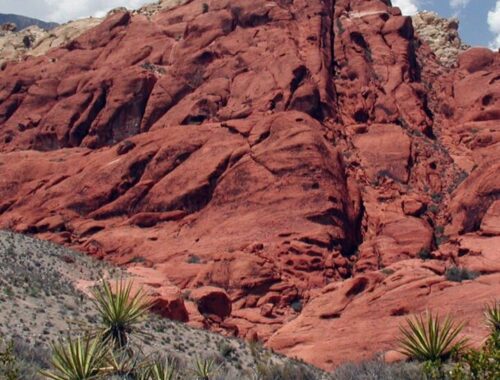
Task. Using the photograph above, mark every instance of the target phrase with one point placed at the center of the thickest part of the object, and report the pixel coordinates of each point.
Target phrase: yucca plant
(120, 310)
(492, 314)
(204, 369)
(121, 363)
(78, 359)
(162, 369)
(426, 338)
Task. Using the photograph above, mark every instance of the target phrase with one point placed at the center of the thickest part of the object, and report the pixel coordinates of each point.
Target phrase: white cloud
(494, 25)
(456, 4)
(408, 7)
(64, 10)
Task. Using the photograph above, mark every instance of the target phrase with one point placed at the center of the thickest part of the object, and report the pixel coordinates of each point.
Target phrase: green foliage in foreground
(427, 338)
(78, 359)
(445, 356)
(120, 310)
(434, 345)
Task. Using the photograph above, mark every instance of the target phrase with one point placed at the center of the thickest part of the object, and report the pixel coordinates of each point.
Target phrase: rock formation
(302, 172)
(441, 35)
(36, 40)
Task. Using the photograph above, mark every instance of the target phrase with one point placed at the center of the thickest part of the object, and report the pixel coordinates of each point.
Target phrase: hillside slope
(46, 297)
(23, 21)
(302, 166)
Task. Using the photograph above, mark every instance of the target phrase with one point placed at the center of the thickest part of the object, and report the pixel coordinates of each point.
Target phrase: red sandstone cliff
(286, 164)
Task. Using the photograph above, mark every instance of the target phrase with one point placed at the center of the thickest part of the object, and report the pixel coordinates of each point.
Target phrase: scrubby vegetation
(107, 351)
(113, 336)
(445, 355)
(426, 338)
(39, 305)
(458, 274)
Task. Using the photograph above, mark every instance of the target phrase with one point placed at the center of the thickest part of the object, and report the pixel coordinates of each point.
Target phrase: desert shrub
(483, 363)
(379, 370)
(458, 274)
(492, 314)
(30, 359)
(120, 310)
(225, 349)
(204, 369)
(161, 369)
(8, 362)
(296, 305)
(428, 339)
(425, 254)
(78, 359)
(269, 370)
(193, 259)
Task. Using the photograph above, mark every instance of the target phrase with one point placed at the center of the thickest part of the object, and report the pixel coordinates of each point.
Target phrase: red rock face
(273, 169)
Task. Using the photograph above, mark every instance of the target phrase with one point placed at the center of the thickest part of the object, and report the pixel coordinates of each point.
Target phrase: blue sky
(473, 16)
(476, 27)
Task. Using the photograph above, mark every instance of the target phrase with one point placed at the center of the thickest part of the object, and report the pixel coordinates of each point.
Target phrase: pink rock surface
(273, 170)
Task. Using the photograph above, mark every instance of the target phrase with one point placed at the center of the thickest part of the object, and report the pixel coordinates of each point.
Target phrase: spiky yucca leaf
(78, 359)
(122, 363)
(162, 370)
(120, 310)
(426, 338)
(492, 314)
(204, 369)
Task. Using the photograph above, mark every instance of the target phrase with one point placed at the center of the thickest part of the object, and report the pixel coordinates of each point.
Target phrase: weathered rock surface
(441, 35)
(274, 169)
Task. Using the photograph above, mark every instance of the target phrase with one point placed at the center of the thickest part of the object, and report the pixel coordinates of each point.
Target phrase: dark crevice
(299, 74)
(358, 287)
(233, 130)
(194, 120)
(135, 204)
(262, 138)
(129, 180)
(80, 131)
(200, 197)
(159, 112)
(331, 217)
(11, 109)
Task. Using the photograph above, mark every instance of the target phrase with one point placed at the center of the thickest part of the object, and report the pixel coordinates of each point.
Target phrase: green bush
(482, 364)
(458, 274)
